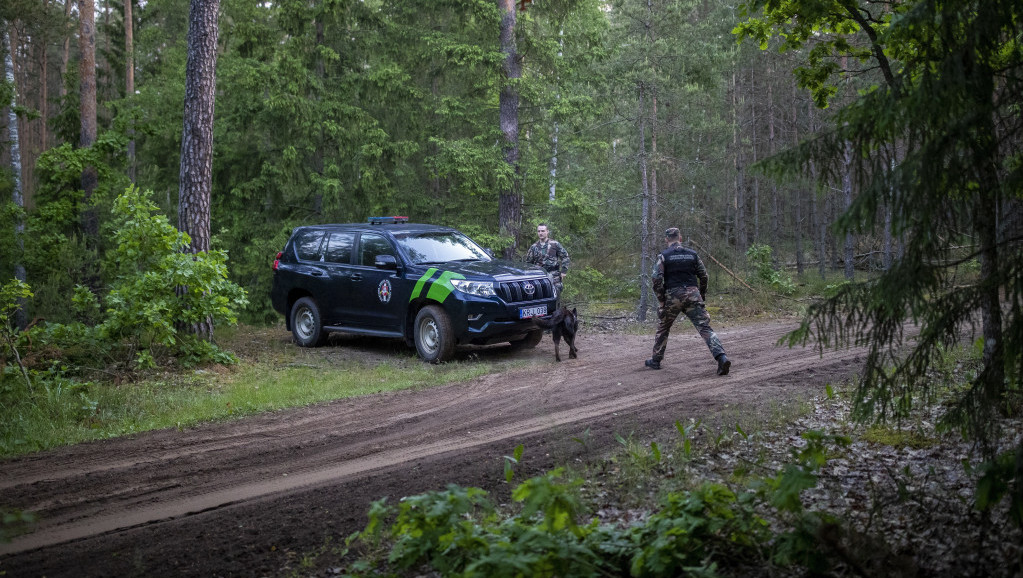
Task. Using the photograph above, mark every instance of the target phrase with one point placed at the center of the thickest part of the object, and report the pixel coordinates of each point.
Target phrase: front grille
(514, 291)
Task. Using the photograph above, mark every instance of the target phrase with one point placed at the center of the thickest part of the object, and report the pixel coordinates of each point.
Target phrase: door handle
(317, 273)
(356, 276)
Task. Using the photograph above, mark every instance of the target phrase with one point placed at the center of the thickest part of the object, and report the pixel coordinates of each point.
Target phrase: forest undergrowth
(807, 492)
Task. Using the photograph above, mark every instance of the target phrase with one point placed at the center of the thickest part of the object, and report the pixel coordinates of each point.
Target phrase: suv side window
(372, 245)
(307, 245)
(339, 248)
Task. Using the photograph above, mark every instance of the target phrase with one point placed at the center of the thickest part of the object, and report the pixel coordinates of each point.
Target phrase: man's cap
(672, 232)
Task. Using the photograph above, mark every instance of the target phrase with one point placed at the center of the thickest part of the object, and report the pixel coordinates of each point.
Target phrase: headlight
(478, 288)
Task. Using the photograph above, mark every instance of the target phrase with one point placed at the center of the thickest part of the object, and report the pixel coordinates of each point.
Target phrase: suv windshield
(441, 247)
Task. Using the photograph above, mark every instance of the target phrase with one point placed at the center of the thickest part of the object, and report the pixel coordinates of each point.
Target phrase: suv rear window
(339, 248)
(307, 245)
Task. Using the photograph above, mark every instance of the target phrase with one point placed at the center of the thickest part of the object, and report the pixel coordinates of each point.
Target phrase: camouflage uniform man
(550, 256)
(680, 283)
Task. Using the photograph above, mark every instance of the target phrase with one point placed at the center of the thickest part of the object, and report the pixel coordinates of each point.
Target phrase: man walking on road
(550, 256)
(680, 283)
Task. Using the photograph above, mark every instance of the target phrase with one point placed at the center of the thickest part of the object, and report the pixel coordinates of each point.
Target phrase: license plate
(527, 312)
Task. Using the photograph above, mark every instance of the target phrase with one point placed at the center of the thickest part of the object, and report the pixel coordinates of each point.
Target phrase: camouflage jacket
(551, 256)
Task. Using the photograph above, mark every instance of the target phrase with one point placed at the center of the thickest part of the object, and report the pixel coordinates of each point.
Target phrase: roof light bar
(386, 220)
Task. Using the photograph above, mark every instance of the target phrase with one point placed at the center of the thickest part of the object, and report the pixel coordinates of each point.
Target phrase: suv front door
(377, 294)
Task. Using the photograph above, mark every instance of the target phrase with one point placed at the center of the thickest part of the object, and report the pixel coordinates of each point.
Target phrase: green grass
(899, 438)
(59, 411)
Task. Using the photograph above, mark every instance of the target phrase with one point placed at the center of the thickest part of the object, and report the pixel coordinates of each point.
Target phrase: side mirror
(385, 262)
(489, 252)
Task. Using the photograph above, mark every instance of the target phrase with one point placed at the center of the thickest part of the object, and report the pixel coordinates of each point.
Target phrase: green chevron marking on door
(422, 281)
(442, 287)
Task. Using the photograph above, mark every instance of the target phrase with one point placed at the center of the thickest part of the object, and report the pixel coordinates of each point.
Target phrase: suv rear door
(336, 305)
(377, 295)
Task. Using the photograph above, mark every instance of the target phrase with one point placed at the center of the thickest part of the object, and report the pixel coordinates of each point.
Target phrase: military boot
(723, 364)
(652, 364)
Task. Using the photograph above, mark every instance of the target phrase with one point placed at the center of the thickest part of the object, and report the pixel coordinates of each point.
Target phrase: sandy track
(233, 498)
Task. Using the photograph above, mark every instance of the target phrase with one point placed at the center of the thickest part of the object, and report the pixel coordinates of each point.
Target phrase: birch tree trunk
(554, 138)
(20, 318)
(196, 176)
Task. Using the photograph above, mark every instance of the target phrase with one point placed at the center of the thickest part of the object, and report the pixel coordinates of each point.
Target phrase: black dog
(563, 324)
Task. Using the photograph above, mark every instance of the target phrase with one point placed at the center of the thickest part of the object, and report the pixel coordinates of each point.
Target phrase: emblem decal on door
(384, 291)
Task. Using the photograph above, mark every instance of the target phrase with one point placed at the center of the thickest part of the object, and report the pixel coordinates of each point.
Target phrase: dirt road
(240, 498)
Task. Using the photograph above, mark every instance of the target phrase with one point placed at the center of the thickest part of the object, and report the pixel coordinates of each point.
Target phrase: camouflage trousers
(685, 300)
(555, 277)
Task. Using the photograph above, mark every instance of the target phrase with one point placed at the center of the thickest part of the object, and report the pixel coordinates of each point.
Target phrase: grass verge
(273, 374)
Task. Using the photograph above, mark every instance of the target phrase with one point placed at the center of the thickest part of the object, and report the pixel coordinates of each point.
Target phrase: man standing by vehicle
(680, 283)
(550, 256)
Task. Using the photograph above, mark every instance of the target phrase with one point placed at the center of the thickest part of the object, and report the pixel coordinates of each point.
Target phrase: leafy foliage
(13, 296)
(155, 288)
(759, 257)
(700, 532)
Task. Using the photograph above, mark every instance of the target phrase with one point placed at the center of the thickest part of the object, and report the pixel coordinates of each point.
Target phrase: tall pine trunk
(129, 81)
(510, 198)
(196, 176)
(644, 258)
(87, 108)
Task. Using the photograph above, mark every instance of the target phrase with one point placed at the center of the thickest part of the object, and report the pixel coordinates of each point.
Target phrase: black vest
(680, 267)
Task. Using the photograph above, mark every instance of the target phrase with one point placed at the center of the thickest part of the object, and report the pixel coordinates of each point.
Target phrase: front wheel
(306, 323)
(531, 340)
(435, 340)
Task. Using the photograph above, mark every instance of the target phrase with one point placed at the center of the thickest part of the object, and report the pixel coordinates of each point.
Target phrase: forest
(156, 154)
(628, 117)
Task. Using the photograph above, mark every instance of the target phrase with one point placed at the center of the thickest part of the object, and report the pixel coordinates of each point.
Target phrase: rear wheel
(435, 340)
(531, 340)
(306, 323)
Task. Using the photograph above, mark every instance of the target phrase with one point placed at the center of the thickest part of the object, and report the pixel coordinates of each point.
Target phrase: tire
(531, 340)
(435, 340)
(306, 323)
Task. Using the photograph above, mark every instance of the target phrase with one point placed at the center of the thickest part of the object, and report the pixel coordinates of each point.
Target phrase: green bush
(759, 257)
(157, 291)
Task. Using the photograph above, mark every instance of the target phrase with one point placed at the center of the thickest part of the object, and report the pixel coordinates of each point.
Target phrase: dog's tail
(546, 322)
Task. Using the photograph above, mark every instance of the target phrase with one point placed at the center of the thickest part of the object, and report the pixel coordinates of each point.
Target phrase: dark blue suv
(432, 286)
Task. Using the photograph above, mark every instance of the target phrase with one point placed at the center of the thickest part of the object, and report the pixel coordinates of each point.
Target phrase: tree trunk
(510, 199)
(20, 317)
(850, 241)
(799, 189)
(129, 81)
(653, 159)
(741, 237)
(196, 176)
(644, 257)
(753, 143)
(554, 139)
(775, 201)
(44, 99)
(65, 52)
(87, 107)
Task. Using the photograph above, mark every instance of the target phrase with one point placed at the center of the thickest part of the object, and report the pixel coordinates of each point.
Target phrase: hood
(498, 269)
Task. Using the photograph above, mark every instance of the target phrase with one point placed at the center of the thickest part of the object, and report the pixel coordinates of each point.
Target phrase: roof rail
(386, 220)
